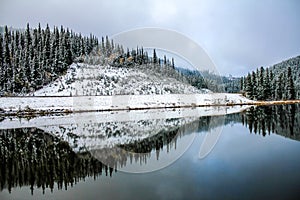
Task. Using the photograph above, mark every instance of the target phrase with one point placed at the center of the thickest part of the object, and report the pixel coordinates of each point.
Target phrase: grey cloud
(237, 35)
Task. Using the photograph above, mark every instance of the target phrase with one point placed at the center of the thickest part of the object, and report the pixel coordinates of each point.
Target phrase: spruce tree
(279, 88)
(7, 70)
(254, 85)
(1, 63)
(267, 85)
(173, 64)
(154, 57)
(68, 53)
(249, 87)
(290, 88)
(260, 86)
(242, 83)
(108, 48)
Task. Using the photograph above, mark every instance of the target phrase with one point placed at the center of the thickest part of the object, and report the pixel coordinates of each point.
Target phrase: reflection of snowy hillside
(101, 135)
(84, 79)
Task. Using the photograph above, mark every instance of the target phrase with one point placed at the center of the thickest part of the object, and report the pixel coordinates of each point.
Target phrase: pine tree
(154, 57)
(173, 64)
(249, 87)
(108, 48)
(260, 85)
(267, 85)
(254, 85)
(103, 45)
(28, 41)
(279, 88)
(272, 85)
(1, 63)
(68, 53)
(242, 83)
(7, 70)
(290, 88)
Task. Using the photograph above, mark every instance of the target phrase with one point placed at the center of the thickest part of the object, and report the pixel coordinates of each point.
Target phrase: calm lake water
(254, 154)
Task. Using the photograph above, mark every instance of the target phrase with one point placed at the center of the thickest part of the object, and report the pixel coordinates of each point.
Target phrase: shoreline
(34, 106)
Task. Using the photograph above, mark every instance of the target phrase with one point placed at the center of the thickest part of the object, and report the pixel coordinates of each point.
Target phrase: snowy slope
(102, 88)
(89, 80)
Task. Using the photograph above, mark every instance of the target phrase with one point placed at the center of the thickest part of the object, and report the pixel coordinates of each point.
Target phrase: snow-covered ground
(89, 80)
(118, 102)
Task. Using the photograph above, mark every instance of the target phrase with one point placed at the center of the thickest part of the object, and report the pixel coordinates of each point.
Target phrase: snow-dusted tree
(28, 41)
(254, 85)
(155, 60)
(260, 85)
(173, 63)
(32, 57)
(267, 85)
(290, 89)
(68, 53)
(279, 87)
(108, 48)
(249, 86)
(7, 70)
(242, 83)
(1, 63)
(102, 45)
(272, 85)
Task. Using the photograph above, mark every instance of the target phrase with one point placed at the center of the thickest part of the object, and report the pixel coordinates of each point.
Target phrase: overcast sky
(238, 35)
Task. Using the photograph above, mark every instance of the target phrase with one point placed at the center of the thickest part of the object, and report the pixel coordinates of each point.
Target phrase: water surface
(256, 157)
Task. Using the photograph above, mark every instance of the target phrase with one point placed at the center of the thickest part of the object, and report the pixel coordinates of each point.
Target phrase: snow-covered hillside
(103, 88)
(90, 80)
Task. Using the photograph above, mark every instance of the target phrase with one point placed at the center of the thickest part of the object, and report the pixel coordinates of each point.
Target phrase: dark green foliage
(154, 57)
(249, 86)
(32, 58)
(279, 82)
(290, 89)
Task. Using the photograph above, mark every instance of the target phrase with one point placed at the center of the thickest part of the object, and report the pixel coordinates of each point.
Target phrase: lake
(198, 153)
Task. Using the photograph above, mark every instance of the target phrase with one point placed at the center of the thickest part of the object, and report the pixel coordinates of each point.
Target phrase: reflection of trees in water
(32, 157)
(139, 151)
(155, 142)
(280, 119)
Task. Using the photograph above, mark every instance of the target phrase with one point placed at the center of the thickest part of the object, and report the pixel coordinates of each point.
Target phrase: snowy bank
(21, 105)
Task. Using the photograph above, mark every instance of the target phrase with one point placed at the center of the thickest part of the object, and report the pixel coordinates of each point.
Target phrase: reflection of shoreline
(42, 159)
(31, 156)
(119, 116)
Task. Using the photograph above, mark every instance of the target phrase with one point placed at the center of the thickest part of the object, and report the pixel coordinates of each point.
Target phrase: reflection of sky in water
(241, 166)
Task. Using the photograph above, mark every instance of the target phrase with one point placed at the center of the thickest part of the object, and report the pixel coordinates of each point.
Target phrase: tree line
(33, 58)
(263, 84)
